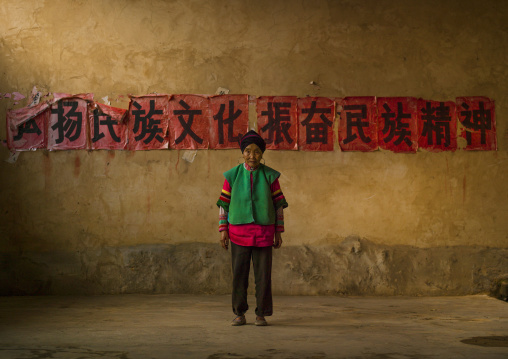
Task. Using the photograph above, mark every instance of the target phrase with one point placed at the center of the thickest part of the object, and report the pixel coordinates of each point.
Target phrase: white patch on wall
(189, 156)
(13, 157)
(252, 113)
(222, 91)
(35, 97)
(106, 100)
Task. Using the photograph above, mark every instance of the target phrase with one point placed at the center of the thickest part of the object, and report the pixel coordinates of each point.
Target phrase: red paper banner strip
(148, 123)
(27, 129)
(478, 117)
(277, 121)
(190, 122)
(108, 130)
(437, 126)
(316, 116)
(68, 124)
(358, 124)
(21, 115)
(230, 114)
(397, 124)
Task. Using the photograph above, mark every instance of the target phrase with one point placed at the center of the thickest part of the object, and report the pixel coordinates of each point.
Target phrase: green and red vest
(251, 206)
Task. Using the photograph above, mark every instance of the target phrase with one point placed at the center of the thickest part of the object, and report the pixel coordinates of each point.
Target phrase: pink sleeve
(226, 186)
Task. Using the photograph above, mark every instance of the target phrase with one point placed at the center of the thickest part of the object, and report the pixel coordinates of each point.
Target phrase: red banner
(278, 121)
(108, 130)
(397, 124)
(27, 128)
(68, 124)
(315, 117)
(358, 124)
(437, 126)
(148, 123)
(478, 117)
(230, 115)
(190, 122)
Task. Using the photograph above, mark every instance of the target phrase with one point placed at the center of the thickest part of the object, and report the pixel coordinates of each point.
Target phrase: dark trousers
(262, 263)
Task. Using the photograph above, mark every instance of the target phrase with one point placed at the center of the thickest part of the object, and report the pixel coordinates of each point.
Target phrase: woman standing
(251, 215)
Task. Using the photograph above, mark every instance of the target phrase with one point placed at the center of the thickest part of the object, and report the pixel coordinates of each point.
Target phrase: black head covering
(252, 137)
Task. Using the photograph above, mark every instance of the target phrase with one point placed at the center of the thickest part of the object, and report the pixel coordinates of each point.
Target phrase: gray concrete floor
(183, 326)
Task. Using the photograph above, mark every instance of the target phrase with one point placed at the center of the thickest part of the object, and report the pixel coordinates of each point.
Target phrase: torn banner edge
(19, 116)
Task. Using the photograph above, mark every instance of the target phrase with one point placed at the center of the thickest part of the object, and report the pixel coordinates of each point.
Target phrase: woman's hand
(277, 242)
(224, 239)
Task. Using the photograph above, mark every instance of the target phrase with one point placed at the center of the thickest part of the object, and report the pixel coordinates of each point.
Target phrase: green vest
(254, 206)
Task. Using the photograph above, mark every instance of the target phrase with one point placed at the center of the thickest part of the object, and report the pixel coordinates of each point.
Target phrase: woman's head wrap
(252, 137)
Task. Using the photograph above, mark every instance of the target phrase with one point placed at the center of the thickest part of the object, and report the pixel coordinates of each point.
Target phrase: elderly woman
(251, 216)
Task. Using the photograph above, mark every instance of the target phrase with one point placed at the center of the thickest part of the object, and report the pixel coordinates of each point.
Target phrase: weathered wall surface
(353, 267)
(82, 218)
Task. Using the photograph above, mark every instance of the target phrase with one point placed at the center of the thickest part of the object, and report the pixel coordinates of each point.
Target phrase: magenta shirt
(252, 235)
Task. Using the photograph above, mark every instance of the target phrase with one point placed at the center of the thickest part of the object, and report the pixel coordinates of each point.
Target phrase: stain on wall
(63, 206)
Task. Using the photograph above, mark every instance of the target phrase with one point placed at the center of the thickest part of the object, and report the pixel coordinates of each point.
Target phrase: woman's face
(252, 155)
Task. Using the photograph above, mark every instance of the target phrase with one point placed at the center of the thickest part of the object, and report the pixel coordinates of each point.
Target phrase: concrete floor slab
(182, 326)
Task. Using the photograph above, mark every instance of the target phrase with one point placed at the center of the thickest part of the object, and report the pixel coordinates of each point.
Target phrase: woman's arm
(223, 220)
(224, 200)
(279, 225)
(223, 228)
(279, 202)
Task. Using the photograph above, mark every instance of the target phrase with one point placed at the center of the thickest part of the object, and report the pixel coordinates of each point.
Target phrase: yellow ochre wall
(77, 201)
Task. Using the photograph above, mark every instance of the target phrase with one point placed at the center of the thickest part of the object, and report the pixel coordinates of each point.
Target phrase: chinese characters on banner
(230, 120)
(107, 128)
(148, 123)
(27, 128)
(358, 124)
(478, 118)
(315, 117)
(437, 126)
(68, 124)
(397, 124)
(277, 121)
(190, 122)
